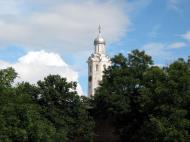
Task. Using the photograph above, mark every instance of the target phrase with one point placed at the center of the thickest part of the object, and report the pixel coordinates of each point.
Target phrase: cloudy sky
(41, 37)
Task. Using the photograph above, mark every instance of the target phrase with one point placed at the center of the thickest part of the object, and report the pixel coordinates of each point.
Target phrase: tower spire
(99, 39)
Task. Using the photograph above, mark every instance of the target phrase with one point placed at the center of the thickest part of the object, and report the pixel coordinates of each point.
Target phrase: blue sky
(65, 30)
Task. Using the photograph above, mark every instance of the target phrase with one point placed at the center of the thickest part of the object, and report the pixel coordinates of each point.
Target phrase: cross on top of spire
(99, 29)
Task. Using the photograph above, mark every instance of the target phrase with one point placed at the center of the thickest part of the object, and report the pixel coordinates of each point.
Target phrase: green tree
(50, 111)
(146, 103)
(20, 118)
(64, 108)
(7, 77)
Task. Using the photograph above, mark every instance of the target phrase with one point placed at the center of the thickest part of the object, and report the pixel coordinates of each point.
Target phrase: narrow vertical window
(97, 67)
(90, 78)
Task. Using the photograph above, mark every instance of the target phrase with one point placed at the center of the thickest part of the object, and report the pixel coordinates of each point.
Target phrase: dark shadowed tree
(20, 118)
(64, 108)
(50, 111)
(146, 103)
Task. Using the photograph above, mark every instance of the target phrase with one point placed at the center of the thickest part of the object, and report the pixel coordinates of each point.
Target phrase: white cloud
(61, 25)
(162, 51)
(42, 58)
(177, 45)
(36, 65)
(186, 36)
(157, 50)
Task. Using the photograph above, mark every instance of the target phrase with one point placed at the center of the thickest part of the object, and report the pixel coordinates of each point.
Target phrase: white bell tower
(97, 63)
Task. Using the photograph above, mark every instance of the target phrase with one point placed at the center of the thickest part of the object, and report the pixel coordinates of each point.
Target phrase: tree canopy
(143, 102)
(50, 111)
(146, 103)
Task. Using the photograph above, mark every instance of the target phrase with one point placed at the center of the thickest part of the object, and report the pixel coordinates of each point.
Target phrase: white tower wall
(97, 63)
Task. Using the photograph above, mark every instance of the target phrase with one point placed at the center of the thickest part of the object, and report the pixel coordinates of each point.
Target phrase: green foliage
(146, 103)
(7, 77)
(50, 111)
(21, 120)
(63, 107)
